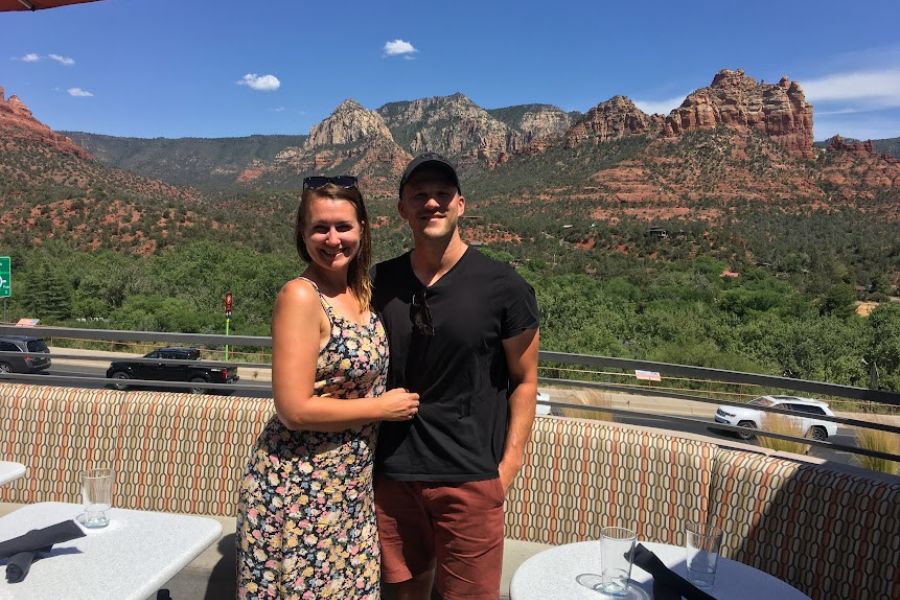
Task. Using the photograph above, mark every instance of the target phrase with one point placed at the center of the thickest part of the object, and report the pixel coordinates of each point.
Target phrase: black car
(122, 371)
(23, 364)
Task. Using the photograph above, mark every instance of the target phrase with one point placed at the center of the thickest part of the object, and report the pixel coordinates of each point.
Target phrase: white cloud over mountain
(260, 83)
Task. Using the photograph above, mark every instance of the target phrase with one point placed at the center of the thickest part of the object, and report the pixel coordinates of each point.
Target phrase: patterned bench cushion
(581, 475)
(55, 432)
(185, 453)
(830, 534)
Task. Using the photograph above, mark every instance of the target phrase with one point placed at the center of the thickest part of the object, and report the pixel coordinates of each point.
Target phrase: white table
(555, 573)
(130, 559)
(10, 471)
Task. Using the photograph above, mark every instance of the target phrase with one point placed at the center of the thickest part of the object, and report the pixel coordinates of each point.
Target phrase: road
(844, 436)
(244, 388)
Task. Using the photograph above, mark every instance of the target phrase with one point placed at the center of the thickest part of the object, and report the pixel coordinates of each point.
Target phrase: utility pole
(228, 307)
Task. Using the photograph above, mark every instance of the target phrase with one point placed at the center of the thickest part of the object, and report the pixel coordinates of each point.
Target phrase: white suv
(750, 418)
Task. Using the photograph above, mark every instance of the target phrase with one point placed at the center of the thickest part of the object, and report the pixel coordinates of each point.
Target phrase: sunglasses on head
(420, 314)
(318, 181)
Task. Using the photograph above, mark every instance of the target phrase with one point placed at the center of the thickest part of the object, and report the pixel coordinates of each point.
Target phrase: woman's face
(331, 232)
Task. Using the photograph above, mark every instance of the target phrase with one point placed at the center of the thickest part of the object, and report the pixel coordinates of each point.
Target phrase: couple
(436, 358)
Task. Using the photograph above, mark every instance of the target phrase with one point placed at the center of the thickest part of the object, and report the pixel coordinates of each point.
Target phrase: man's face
(431, 204)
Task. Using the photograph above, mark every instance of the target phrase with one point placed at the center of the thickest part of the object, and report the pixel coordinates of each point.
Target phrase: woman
(306, 522)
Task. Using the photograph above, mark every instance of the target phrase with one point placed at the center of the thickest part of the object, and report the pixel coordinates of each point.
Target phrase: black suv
(122, 370)
(23, 364)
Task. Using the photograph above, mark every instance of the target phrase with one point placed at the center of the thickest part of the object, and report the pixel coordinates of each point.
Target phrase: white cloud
(30, 57)
(399, 47)
(63, 60)
(278, 109)
(260, 83)
(872, 88)
(79, 93)
(661, 107)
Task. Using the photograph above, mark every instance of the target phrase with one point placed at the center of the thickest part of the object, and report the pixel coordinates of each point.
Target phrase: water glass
(701, 543)
(96, 495)
(616, 545)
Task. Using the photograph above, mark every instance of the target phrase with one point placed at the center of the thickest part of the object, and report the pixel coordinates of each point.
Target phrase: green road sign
(5, 277)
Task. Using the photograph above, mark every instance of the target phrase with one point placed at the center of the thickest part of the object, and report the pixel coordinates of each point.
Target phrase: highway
(698, 412)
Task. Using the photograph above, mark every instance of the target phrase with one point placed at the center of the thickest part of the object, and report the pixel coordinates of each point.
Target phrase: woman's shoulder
(299, 292)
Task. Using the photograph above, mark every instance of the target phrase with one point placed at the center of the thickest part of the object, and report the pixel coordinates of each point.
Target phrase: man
(463, 334)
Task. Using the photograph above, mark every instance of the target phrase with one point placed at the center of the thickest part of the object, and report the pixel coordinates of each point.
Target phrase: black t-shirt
(460, 372)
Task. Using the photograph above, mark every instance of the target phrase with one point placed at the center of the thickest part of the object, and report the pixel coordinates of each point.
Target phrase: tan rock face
(450, 125)
(17, 122)
(348, 124)
(353, 141)
(537, 128)
(614, 119)
(734, 100)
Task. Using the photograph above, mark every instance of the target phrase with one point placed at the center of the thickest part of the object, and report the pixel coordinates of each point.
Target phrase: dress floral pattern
(306, 519)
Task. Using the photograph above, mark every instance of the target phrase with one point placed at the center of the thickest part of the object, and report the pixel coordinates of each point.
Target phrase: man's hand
(507, 475)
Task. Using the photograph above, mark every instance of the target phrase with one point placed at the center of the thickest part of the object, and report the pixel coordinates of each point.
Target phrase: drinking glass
(616, 544)
(96, 495)
(701, 543)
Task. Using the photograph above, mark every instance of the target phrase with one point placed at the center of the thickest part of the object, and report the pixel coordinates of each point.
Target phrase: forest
(763, 290)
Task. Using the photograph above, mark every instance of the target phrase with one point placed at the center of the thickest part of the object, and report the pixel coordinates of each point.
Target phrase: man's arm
(522, 359)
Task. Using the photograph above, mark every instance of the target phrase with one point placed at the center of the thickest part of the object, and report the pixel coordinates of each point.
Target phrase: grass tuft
(784, 425)
(882, 441)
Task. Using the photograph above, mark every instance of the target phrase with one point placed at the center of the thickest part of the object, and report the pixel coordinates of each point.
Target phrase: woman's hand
(399, 404)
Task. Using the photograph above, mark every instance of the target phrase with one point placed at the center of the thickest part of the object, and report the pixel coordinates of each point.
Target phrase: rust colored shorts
(455, 527)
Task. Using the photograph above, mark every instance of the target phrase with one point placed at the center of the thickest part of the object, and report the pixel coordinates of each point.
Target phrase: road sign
(5, 277)
(228, 304)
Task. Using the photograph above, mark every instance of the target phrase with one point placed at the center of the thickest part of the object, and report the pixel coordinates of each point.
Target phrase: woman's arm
(296, 324)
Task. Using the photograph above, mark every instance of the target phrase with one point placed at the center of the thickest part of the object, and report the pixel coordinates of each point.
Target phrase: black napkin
(18, 565)
(667, 585)
(25, 549)
(40, 540)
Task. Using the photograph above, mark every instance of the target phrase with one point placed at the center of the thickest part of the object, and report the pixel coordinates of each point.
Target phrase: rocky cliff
(613, 119)
(351, 140)
(17, 122)
(735, 100)
(450, 125)
(533, 126)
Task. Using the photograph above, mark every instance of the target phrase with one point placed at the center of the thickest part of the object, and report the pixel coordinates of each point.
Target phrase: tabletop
(130, 559)
(569, 571)
(10, 471)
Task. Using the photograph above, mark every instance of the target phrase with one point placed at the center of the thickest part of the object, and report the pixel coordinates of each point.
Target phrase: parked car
(808, 409)
(122, 370)
(23, 364)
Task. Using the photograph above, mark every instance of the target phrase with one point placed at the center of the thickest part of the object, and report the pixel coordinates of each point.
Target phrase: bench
(829, 531)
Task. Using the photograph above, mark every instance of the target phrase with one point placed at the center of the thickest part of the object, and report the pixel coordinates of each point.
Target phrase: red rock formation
(855, 169)
(614, 119)
(17, 122)
(734, 100)
(840, 144)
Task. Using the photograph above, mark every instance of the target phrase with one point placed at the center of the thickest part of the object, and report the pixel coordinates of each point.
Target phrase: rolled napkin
(667, 585)
(41, 540)
(18, 565)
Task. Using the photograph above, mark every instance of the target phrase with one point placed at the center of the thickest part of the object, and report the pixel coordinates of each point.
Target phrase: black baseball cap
(433, 160)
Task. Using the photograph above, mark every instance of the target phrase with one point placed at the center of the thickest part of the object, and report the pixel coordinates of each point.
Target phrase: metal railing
(548, 360)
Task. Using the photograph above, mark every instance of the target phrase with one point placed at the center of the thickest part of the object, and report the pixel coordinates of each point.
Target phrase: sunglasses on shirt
(319, 181)
(420, 314)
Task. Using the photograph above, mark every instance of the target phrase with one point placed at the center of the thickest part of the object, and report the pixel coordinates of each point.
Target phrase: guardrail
(548, 358)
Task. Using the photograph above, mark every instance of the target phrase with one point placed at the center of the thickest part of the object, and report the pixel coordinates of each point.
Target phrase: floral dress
(306, 519)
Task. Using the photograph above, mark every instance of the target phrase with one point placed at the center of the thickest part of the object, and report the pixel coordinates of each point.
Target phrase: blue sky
(207, 68)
